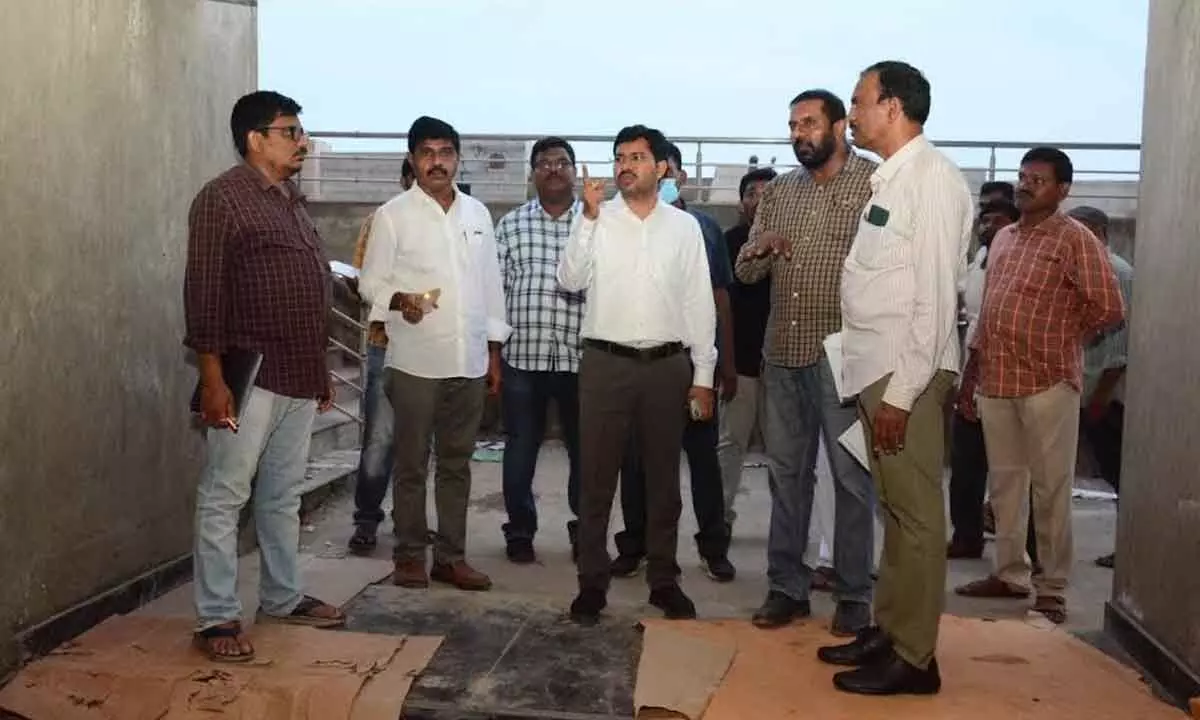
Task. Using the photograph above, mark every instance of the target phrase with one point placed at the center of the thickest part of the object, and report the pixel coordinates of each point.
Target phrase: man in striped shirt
(541, 358)
(1050, 290)
(900, 352)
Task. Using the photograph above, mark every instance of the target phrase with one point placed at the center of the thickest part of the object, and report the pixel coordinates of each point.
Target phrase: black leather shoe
(890, 676)
(849, 618)
(870, 645)
(627, 565)
(719, 569)
(586, 607)
(673, 602)
(779, 610)
(520, 551)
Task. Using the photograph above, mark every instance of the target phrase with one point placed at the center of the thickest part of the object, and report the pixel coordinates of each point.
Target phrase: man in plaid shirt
(541, 358)
(1050, 290)
(256, 280)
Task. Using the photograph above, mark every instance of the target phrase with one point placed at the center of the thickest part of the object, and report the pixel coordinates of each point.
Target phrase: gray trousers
(447, 411)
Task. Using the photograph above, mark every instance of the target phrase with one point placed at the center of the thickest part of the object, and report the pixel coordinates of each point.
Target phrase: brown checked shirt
(820, 221)
(257, 279)
(1050, 289)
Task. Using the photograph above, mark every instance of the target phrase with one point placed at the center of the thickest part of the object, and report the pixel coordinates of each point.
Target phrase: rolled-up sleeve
(205, 303)
(752, 269)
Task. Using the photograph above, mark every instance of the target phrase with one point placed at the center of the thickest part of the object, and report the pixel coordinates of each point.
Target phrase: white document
(854, 440)
(341, 268)
(833, 352)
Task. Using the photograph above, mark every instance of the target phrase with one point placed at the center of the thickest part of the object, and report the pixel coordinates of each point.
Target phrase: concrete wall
(1156, 586)
(114, 112)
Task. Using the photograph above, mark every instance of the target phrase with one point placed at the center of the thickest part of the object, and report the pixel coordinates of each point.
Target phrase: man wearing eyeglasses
(256, 280)
(650, 306)
(541, 358)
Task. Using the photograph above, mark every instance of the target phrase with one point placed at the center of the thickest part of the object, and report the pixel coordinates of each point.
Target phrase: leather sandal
(303, 615)
(203, 640)
(1054, 608)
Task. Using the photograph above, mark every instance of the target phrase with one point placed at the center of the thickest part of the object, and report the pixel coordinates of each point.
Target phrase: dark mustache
(437, 171)
(627, 174)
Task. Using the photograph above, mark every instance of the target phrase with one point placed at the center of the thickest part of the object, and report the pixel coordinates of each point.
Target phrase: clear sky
(1021, 70)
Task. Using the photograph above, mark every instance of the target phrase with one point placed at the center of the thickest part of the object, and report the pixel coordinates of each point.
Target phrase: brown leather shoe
(410, 573)
(460, 575)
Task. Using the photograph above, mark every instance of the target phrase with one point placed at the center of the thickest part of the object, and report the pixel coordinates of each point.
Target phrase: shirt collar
(426, 197)
(888, 168)
(288, 188)
(536, 206)
(619, 202)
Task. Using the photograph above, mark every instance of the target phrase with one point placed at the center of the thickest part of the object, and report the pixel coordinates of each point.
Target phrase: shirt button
(793, 323)
(795, 295)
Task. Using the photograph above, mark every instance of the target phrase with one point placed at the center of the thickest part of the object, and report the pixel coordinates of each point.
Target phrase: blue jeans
(802, 408)
(271, 443)
(375, 462)
(524, 397)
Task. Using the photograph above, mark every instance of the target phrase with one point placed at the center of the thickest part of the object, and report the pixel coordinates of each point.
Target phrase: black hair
(905, 83)
(659, 145)
(406, 169)
(1000, 186)
(429, 128)
(255, 111)
(549, 143)
(1093, 217)
(1004, 207)
(1064, 172)
(757, 175)
(833, 106)
(674, 153)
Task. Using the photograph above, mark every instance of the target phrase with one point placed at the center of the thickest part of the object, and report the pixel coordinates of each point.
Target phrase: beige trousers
(1032, 440)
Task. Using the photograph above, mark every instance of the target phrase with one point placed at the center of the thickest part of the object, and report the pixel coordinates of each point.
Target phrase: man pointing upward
(648, 359)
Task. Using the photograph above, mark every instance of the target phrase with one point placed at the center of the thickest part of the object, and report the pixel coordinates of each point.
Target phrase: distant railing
(368, 164)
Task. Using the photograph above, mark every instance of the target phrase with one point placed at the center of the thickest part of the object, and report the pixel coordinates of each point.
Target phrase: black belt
(658, 352)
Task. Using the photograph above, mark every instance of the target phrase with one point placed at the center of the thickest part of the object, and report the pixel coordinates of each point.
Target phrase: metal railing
(359, 355)
(369, 163)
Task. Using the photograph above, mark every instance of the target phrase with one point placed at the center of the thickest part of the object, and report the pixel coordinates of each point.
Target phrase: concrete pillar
(112, 115)
(1155, 608)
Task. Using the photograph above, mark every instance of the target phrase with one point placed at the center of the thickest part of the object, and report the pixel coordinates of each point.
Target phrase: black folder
(240, 369)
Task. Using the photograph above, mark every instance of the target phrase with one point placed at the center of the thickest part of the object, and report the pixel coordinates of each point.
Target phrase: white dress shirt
(416, 246)
(900, 279)
(647, 281)
(972, 290)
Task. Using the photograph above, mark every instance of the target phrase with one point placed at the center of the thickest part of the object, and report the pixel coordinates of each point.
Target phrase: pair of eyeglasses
(292, 132)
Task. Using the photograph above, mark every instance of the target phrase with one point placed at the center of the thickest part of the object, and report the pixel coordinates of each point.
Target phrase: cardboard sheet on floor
(145, 668)
(990, 671)
(678, 672)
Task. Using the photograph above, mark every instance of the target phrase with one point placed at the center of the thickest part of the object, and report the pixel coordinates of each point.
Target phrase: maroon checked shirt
(257, 279)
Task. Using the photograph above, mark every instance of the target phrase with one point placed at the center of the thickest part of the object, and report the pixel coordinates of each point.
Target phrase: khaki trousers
(911, 592)
(1032, 440)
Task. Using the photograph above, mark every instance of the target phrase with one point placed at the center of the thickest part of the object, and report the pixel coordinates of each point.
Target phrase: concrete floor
(553, 577)
(484, 632)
